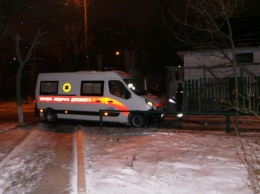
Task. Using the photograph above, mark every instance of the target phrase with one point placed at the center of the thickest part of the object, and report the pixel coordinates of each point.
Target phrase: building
(219, 64)
(206, 74)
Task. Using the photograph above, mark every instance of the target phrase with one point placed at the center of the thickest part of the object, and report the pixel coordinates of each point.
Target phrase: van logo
(66, 87)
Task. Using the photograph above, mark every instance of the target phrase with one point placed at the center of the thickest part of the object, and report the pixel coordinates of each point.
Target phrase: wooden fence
(208, 95)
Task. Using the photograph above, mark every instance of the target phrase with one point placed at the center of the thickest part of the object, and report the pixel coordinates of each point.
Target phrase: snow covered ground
(145, 161)
(142, 161)
(166, 162)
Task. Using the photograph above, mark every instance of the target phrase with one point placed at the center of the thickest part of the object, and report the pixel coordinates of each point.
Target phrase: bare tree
(23, 61)
(73, 47)
(206, 24)
(24, 42)
(7, 7)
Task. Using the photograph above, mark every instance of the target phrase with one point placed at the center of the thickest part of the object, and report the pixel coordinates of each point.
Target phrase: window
(244, 57)
(135, 86)
(117, 88)
(92, 88)
(49, 87)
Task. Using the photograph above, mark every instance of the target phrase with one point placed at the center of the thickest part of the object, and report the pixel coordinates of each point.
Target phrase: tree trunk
(0, 83)
(235, 71)
(20, 115)
(31, 83)
(19, 97)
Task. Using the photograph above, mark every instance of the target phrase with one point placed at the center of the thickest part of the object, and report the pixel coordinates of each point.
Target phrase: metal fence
(209, 95)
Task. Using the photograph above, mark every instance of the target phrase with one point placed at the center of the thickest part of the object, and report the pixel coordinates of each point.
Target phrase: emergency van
(81, 96)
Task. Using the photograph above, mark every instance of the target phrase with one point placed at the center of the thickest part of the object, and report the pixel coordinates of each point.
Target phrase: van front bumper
(155, 116)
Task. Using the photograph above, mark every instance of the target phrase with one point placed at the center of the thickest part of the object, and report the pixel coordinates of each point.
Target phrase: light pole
(86, 32)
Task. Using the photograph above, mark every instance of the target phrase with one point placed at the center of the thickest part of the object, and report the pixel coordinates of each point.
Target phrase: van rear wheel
(50, 116)
(138, 120)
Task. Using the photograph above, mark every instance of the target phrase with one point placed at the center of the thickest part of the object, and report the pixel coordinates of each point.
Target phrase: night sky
(112, 25)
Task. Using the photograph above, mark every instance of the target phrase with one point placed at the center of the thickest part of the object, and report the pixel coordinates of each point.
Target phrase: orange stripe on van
(84, 100)
(118, 105)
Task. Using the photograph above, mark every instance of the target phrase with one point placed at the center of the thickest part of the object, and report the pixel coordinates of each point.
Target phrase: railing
(227, 115)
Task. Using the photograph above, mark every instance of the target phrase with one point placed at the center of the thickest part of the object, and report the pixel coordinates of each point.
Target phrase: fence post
(101, 119)
(227, 123)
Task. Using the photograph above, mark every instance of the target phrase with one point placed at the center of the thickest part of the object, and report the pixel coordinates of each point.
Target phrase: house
(202, 65)
(219, 64)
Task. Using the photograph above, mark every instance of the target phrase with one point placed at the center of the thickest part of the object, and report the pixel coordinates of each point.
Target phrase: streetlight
(86, 32)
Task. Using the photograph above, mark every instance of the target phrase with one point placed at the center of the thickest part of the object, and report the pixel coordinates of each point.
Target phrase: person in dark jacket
(179, 98)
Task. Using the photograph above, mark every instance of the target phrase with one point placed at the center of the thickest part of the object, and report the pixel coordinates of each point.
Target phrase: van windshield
(135, 86)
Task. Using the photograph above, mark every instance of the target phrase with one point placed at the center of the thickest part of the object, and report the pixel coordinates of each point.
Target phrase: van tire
(138, 120)
(50, 116)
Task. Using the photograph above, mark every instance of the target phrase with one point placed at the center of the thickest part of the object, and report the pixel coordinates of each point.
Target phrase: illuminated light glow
(125, 74)
(66, 111)
(150, 104)
(179, 115)
(80, 99)
(66, 87)
(159, 104)
(118, 105)
(69, 99)
(45, 99)
(105, 113)
(172, 101)
(85, 100)
(41, 110)
(61, 99)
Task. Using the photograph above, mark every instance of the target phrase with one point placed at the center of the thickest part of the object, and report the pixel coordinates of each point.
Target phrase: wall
(214, 64)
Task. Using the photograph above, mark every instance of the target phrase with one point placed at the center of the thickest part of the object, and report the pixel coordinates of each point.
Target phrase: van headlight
(179, 115)
(150, 104)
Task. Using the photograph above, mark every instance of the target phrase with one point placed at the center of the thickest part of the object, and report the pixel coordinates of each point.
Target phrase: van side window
(117, 88)
(48, 87)
(92, 88)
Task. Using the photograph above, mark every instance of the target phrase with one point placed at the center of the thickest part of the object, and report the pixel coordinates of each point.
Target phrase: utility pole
(86, 32)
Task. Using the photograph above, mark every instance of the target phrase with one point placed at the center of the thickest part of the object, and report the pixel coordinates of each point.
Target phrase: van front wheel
(137, 120)
(50, 116)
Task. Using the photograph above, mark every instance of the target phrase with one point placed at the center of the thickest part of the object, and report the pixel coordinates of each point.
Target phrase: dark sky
(137, 14)
(254, 9)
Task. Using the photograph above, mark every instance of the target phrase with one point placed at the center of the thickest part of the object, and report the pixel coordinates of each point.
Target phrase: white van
(81, 96)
